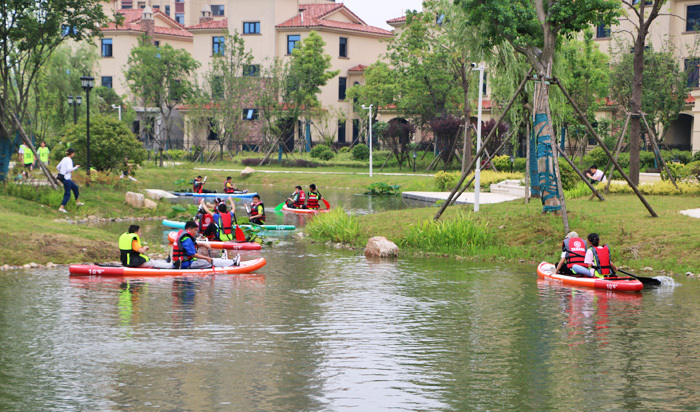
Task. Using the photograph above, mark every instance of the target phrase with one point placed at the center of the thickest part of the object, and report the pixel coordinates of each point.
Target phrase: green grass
(336, 225)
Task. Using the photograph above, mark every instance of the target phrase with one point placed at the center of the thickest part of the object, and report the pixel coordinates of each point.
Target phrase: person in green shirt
(43, 153)
(26, 156)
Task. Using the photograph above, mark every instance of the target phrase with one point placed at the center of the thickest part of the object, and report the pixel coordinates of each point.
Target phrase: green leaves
(308, 71)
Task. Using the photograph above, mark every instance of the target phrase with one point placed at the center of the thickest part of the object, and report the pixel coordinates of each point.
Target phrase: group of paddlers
(590, 260)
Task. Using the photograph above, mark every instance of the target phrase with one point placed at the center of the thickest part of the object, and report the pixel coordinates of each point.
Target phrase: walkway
(320, 173)
(465, 198)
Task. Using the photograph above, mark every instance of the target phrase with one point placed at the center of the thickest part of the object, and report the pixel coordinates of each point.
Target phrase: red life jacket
(255, 214)
(601, 257)
(228, 188)
(197, 186)
(300, 200)
(312, 201)
(179, 253)
(205, 219)
(224, 229)
(575, 251)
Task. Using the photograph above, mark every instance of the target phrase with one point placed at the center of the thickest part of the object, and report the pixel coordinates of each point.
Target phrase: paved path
(320, 173)
(691, 212)
(465, 198)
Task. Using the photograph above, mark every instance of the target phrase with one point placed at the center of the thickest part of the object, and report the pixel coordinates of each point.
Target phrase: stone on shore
(247, 171)
(157, 194)
(134, 199)
(149, 204)
(379, 246)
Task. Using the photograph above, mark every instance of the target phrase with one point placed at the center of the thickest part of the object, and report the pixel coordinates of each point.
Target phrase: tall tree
(309, 70)
(160, 77)
(533, 28)
(30, 31)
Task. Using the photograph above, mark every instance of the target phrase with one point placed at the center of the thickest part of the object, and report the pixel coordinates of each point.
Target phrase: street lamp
(414, 162)
(477, 172)
(119, 108)
(370, 136)
(75, 102)
(88, 82)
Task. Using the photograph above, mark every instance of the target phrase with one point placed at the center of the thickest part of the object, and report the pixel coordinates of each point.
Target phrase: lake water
(320, 329)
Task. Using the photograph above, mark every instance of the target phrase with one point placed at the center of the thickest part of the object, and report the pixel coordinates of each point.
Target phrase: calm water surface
(320, 329)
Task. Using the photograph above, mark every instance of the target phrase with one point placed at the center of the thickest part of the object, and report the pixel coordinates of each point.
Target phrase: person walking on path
(26, 156)
(65, 169)
(43, 153)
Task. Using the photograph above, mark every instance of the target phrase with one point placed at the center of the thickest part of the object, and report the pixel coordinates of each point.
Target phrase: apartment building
(270, 29)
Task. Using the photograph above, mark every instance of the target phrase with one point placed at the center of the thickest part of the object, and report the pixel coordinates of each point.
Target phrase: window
(250, 114)
(217, 10)
(341, 131)
(106, 47)
(167, 10)
(343, 49)
(440, 19)
(342, 87)
(212, 135)
(693, 18)
(355, 99)
(252, 70)
(142, 4)
(692, 68)
(217, 45)
(107, 81)
(217, 87)
(602, 31)
(483, 89)
(126, 4)
(156, 7)
(292, 41)
(251, 27)
(66, 30)
(180, 18)
(156, 43)
(355, 131)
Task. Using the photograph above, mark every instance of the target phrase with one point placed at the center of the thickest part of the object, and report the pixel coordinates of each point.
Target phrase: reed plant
(336, 225)
(461, 235)
(580, 190)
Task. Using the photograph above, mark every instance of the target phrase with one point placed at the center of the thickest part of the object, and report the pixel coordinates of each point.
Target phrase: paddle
(279, 207)
(645, 281)
(325, 202)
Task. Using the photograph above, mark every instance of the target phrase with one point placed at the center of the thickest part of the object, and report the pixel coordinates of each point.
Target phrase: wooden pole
(657, 151)
(483, 146)
(557, 175)
(527, 165)
(580, 174)
(618, 149)
(584, 120)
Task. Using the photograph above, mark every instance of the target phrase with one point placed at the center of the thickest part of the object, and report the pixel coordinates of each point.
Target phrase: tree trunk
(635, 107)
(467, 149)
(545, 163)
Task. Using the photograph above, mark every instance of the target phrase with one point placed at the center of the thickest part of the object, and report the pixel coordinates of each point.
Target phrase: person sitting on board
(597, 262)
(224, 220)
(230, 187)
(257, 211)
(185, 254)
(596, 175)
(132, 253)
(313, 197)
(198, 185)
(573, 251)
(297, 199)
(205, 220)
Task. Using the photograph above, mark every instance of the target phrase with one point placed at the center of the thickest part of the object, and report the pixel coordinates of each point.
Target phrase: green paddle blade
(279, 207)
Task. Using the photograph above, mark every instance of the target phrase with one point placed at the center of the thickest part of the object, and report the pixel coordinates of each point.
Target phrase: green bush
(691, 171)
(336, 226)
(326, 154)
(318, 149)
(462, 235)
(569, 178)
(344, 149)
(502, 163)
(624, 160)
(176, 154)
(445, 181)
(646, 160)
(360, 152)
(520, 164)
(596, 157)
(675, 169)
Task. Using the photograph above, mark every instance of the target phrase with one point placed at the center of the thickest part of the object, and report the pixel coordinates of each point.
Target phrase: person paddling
(297, 200)
(313, 197)
(198, 185)
(229, 187)
(573, 251)
(597, 262)
(185, 255)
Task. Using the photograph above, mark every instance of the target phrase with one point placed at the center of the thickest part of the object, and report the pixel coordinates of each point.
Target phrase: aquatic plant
(336, 226)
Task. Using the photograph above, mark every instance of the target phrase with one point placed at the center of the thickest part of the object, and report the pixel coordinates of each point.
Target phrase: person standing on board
(313, 197)
(573, 251)
(65, 169)
(597, 262)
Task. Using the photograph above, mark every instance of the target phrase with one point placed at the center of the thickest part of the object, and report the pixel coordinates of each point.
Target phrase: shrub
(252, 161)
(691, 171)
(675, 169)
(624, 160)
(327, 154)
(360, 152)
(344, 149)
(646, 160)
(696, 156)
(502, 163)
(683, 156)
(446, 180)
(520, 164)
(298, 163)
(318, 149)
(336, 226)
(569, 178)
(177, 154)
(596, 157)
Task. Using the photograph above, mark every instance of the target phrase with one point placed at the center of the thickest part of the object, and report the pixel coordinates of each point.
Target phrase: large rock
(157, 194)
(134, 199)
(247, 171)
(149, 204)
(379, 246)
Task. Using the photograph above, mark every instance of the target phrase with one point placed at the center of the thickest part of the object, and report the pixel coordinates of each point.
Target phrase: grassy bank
(515, 231)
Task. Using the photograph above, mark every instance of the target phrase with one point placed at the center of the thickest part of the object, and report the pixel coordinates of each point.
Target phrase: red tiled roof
(401, 19)
(690, 99)
(216, 24)
(358, 68)
(132, 22)
(314, 17)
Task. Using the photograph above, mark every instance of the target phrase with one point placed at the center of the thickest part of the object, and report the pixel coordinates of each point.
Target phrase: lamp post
(414, 162)
(119, 108)
(88, 82)
(75, 102)
(370, 136)
(477, 172)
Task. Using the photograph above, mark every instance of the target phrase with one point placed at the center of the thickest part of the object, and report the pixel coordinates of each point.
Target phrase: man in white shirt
(595, 174)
